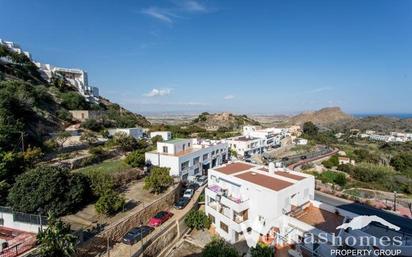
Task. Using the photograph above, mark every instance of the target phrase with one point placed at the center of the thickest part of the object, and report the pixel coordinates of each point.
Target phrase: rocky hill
(33, 108)
(321, 117)
(221, 121)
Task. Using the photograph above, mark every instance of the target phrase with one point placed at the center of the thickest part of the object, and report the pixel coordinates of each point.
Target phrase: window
(196, 171)
(205, 156)
(224, 227)
(184, 147)
(184, 165)
(196, 160)
(212, 218)
(188, 144)
(165, 150)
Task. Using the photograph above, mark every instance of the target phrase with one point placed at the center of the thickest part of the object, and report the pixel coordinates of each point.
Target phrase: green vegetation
(136, 159)
(333, 161)
(262, 250)
(403, 162)
(219, 248)
(312, 133)
(109, 203)
(74, 101)
(158, 180)
(56, 239)
(198, 220)
(332, 177)
(50, 188)
(106, 167)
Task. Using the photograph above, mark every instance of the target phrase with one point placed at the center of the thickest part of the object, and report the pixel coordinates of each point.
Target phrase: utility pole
(394, 201)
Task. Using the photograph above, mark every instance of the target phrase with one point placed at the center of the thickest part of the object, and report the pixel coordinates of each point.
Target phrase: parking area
(123, 250)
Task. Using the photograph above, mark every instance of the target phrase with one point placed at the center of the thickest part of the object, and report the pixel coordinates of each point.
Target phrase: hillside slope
(323, 116)
(223, 120)
(33, 108)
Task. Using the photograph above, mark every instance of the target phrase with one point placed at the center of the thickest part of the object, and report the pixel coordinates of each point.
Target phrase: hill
(321, 117)
(32, 108)
(380, 124)
(222, 121)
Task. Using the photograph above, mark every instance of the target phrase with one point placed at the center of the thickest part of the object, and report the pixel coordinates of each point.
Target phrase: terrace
(18, 242)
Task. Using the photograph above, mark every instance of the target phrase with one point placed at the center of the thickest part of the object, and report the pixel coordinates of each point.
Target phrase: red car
(160, 218)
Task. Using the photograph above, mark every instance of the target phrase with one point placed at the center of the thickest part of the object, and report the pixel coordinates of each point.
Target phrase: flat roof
(176, 140)
(234, 168)
(285, 174)
(243, 138)
(264, 180)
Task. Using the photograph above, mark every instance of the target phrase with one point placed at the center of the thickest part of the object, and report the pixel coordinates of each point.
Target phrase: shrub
(158, 180)
(332, 177)
(92, 125)
(50, 188)
(198, 220)
(110, 203)
(74, 101)
(219, 248)
(261, 250)
(136, 159)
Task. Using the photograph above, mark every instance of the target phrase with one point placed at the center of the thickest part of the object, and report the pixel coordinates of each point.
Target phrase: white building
(245, 197)
(15, 48)
(188, 157)
(271, 136)
(301, 141)
(133, 132)
(277, 207)
(76, 77)
(166, 135)
(246, 146)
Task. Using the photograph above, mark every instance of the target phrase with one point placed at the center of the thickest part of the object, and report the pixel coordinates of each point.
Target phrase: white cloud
(178, 9)
(158, 92)
(160, 14)
(228, 97)
(193, 6)
(320, 89)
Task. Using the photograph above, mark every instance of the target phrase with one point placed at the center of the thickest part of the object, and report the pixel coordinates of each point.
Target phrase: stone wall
(114, 232)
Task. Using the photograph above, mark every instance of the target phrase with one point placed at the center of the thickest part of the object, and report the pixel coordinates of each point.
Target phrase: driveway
(123, 250)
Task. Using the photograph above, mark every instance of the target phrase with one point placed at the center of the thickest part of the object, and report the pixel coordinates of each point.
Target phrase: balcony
(224, 197)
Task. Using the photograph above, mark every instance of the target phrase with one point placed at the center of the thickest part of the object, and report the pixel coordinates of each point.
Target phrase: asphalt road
(361, 209)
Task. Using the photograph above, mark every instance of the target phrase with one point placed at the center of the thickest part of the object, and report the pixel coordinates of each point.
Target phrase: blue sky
(239, 56)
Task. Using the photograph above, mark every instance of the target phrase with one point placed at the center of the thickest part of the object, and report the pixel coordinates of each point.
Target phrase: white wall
(10, 223)
(166, 135)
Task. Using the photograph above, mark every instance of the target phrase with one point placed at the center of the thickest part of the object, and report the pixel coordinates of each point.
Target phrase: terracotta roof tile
(234, 168)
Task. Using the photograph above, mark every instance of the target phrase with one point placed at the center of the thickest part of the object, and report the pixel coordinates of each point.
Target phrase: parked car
(188, 193)
(160, 218)
(193, 186)
(136, 234)
(201, 180)
(182, 202)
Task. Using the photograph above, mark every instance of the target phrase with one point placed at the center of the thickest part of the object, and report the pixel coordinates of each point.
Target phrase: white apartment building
(247, 146)
(137, 133)
(245, 197)
(15, 47)
(188, 157)
(166, 135)
(276, 206)
(76, 77)
(272, 136)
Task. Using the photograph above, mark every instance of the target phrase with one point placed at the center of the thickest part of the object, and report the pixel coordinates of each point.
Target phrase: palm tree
(56, 239)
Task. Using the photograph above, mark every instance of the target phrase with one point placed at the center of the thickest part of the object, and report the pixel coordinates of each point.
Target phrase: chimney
(271, 168)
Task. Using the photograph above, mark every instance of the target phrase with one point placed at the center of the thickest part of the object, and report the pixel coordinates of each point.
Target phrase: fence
(21, 221)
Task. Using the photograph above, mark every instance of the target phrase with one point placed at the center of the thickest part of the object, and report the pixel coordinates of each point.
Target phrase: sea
(393, 115)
